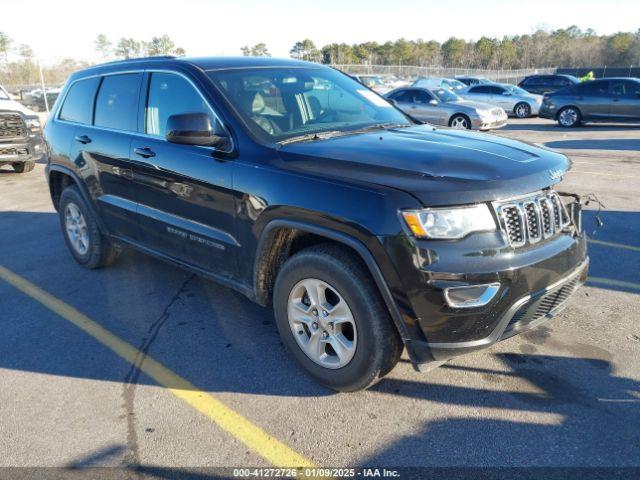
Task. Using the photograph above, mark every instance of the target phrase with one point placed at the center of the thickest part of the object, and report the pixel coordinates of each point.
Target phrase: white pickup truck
(21, 143)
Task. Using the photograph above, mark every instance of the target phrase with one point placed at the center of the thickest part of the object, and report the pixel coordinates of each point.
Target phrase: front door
(185, 197)
(626, 99)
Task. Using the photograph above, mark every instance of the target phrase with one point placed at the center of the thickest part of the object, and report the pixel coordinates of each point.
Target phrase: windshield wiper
(309, 137)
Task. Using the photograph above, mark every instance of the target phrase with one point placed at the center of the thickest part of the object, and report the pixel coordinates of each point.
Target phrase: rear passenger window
(78, 104)
(117, 102)
(171, 94)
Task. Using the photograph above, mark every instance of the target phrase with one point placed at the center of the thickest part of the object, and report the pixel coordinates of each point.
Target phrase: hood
(437, 166)
(14, 106)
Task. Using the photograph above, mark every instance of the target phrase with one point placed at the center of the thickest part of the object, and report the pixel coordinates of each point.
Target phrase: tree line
(565, 47)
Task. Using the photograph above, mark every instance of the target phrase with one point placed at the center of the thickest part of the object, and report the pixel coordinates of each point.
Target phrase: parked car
(470, 81)
(541, 84)
(439, 82)
(612, 99)
(21, 143)
(443, 107)
(367, 232)
(512, 99)
(374, 82)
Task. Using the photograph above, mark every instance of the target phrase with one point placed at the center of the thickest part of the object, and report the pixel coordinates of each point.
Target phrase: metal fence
(409, 72)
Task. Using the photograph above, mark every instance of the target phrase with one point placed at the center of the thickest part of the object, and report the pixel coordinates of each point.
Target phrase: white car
(440, 82)
(514, 100)
(374, 82)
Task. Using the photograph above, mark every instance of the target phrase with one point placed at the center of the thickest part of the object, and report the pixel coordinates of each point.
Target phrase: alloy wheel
(568, 117)
(522, 110)
(322, 323)
(76, 226)
(460, 122)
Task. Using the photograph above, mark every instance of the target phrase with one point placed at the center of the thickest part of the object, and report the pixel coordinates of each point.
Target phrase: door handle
(145, 152)
(83, 139)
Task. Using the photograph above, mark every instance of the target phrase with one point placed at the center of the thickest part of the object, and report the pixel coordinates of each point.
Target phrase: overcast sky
(64, 28)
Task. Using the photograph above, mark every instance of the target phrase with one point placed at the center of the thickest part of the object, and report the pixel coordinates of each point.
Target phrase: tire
(24, 167)
(376, 345)
(522, 110)
(460, 121)
(569, 117)
(99, 251)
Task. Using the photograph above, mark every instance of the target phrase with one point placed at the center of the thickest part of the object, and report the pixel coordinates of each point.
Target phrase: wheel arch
(570, 105)
(459, 114)
(282, 238)
(59, 178)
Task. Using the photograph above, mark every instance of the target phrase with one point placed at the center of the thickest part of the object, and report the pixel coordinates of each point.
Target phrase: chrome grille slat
(531, 218)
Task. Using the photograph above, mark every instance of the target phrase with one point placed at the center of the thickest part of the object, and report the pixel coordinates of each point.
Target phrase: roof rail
(136, 59)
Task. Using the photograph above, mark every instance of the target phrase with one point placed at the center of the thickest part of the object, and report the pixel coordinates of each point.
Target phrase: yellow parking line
(614, 283)
(263, 444)
(614, 245)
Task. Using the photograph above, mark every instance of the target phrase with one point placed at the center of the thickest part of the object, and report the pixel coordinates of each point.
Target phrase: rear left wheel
(332, 320)
(87, 244)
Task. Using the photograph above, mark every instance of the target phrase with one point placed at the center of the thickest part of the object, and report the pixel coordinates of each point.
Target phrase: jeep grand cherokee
(297, 186)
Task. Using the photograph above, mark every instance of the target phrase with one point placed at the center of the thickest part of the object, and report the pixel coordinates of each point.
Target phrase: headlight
(449, 223)
(485, 114)
(33, 124)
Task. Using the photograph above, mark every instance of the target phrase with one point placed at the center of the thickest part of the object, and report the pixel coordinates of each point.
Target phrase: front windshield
(456, 84)
(3, 95)
(279, 103)
(372, 81)
(445, 95)
(516, 90)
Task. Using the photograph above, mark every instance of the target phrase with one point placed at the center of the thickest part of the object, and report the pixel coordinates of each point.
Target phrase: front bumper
(535, 283)
(31, 148)
(489, 124)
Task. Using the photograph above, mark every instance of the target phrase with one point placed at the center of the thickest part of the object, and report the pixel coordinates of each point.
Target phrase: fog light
(470, 296)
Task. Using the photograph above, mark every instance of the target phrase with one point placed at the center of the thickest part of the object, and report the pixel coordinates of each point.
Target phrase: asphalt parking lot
(566, 394)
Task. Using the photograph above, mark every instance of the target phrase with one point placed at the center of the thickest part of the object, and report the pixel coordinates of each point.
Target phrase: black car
(292, 183)
(607, 99)
(541, 84)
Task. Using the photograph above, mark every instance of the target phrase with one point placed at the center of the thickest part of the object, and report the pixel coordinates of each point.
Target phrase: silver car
(440, 106)
(514, 100)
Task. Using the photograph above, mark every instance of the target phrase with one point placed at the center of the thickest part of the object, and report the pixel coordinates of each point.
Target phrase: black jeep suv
(297, 186)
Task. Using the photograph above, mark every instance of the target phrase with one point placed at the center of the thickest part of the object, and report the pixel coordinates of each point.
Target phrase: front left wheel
(460, 121)
(24, 167)
(332, 319)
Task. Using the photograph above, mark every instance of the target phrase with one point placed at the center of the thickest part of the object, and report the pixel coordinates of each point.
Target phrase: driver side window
(171, 94)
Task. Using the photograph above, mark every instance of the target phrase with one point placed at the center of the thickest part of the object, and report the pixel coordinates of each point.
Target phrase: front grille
(544, 305)
(497, 112)
(12, 126)
(13, 151)
(532, 218)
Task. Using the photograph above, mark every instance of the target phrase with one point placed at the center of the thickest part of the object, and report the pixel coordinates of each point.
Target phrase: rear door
(186, 205)
(626, 99)
(594, 98)
(102, 148)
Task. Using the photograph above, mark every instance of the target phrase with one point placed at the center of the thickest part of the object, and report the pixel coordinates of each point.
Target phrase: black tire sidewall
(24, 167)
(93, 257)
(364, 365)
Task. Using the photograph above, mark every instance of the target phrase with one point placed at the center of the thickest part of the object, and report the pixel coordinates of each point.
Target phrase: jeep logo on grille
(556, 174)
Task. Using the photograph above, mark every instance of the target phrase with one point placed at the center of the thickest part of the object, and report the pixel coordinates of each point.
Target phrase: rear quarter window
(117, 102)
(78, 104)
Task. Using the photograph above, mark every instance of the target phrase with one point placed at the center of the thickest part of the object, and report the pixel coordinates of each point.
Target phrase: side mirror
(194, 129)
(433, 101)
(392, 101)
